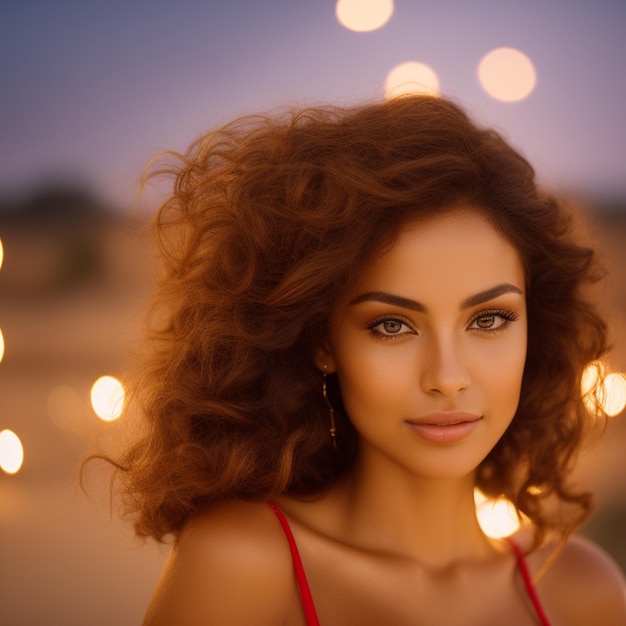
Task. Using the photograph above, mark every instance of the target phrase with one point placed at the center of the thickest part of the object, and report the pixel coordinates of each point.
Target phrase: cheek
(360, 383)
(369, 386)
(503, 376)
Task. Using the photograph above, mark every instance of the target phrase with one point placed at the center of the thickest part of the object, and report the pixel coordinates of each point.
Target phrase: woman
(363, 315)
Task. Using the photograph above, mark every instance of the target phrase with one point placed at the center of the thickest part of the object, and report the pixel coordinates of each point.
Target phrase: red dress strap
(303, 585)
(528, 583)
(305, 591)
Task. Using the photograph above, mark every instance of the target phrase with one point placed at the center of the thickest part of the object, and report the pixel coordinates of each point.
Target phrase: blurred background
(89, 91)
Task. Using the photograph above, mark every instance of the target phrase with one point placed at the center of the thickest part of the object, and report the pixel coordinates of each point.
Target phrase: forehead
(458, 251)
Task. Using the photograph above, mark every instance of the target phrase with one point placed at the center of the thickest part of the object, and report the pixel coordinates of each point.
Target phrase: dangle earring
(331, 411)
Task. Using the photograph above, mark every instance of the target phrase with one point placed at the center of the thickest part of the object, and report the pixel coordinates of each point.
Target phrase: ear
(323, 358)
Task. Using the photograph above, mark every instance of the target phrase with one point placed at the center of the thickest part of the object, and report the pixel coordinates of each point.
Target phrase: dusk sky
(92, 89)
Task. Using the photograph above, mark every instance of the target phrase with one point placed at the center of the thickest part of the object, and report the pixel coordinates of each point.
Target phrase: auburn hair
(269, 221)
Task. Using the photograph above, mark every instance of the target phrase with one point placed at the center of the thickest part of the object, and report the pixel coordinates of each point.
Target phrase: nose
(444, 369)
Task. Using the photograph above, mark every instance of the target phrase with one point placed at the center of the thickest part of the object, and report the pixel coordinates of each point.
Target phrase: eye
(493, 321)
(486, 321)
(389, 328)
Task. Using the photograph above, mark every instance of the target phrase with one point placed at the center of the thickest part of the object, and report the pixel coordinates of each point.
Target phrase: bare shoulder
(229, 565)
(585, 585)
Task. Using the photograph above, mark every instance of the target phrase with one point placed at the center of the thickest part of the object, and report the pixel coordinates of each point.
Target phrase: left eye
(486, 322)
(498, 320)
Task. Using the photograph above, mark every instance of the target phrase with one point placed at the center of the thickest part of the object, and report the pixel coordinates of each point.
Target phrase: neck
(431, 520)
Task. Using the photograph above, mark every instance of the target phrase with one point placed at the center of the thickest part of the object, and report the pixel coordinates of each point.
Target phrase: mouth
(444, 427)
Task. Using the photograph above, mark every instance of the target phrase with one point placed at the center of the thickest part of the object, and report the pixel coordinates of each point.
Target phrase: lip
(445, 426)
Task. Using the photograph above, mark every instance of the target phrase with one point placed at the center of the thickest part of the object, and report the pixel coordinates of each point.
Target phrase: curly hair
(269, 221)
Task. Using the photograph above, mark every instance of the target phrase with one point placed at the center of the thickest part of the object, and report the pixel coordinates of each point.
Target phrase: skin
(436, 324)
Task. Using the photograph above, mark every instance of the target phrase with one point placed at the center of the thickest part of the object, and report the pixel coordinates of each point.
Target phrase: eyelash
(508, 318)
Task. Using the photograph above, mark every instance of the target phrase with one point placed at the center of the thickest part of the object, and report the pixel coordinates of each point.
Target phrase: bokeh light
(497, 517)
(11, 452)
(1, 254)
(603, 390)
(614, 399)
(591, 377)
(1, 346)
(107, 398)
(411, 77)
(507, 74)
(363, 15)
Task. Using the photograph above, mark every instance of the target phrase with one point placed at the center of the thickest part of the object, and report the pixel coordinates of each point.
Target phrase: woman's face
(429, 346)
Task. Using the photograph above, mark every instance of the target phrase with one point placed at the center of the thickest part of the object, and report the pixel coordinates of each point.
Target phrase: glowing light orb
(411, 77)
(591, 386)
(592, 376)
(602, 390)
(1, 254)
(497, 518)
(614, 399)
(107, 398)
(11, 452)
(363, 15)
(507, 74)
(1, 346)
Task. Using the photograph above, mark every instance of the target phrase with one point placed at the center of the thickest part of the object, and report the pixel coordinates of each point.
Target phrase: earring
(331, 411)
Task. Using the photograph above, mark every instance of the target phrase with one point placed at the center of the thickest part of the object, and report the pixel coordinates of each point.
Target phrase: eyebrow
(413, 305)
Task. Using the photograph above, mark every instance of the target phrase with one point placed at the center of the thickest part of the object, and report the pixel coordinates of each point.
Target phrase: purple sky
(93, 89)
